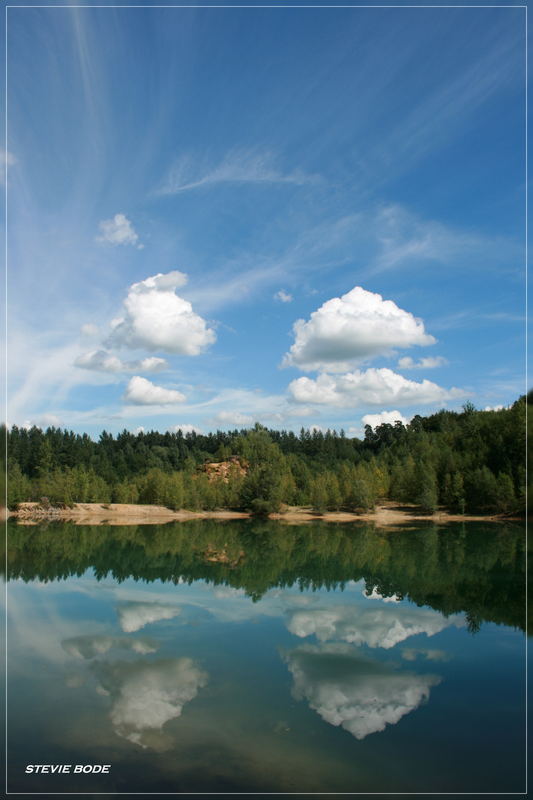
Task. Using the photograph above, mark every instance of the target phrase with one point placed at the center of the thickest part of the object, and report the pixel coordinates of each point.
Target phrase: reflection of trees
(479, 569)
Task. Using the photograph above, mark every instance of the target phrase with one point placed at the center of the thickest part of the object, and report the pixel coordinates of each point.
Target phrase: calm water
(256, 656)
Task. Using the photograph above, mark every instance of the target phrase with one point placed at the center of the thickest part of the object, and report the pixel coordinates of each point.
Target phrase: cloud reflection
(92, 646)
(360, 695)
(381, 627)
(134, 616)
(145, 696)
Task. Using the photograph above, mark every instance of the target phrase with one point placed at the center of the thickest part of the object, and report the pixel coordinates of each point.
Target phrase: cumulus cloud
(233, 418)
(146, 696)
(91, 646)
(430, 362)
(385, 417)
(357, 326)
(361, 695)
(142, 392)
(381, 627)
(156, 318)
(371, 387)
(102, 361)
(117, 231)
(184, 428)
(134, 616)
(283, 296)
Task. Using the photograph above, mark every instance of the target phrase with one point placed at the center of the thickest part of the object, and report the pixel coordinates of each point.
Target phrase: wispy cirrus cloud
(237, 166)
(405, 239)
(386, 238)
(441, 114)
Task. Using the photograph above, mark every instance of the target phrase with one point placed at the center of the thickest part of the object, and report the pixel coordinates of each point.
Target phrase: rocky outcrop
(221, 470)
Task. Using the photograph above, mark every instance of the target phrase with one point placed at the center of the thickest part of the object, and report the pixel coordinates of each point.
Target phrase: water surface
(212, 656)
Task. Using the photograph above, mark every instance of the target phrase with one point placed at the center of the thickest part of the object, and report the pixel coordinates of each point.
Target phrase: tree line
(467, 461)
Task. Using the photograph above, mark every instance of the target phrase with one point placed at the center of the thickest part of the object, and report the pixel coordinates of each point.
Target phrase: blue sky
(297, 216)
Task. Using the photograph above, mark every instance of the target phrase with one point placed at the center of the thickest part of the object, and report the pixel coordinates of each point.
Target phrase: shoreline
(386, 514)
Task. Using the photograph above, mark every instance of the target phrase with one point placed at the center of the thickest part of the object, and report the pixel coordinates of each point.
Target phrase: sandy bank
(384, 515)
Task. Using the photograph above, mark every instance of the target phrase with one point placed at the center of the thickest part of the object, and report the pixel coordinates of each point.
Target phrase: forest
(470, 461)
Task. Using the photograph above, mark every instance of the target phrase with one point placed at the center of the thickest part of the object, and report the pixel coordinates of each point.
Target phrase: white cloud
(7, 159)
(146, 696)
(184, 428)
(370, 387)
(43, 421)
(494, 408)
(134, 616)
(238, 166)
(385, 417)
(142, 392)
(357, 326)
(375, 627)
(117, 231)
(102, 361)
(361, 695)
(283, 296)
(150, 364)
(430, 362)
(156, 318)
(233, 418)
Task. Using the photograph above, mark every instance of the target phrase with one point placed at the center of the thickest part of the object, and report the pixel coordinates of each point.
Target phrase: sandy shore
(386, 514)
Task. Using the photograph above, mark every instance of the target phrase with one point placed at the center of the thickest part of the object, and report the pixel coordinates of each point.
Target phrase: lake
(255, 656)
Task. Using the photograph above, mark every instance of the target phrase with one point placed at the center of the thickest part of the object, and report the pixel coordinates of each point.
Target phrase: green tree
(319, 494)
(18, 486)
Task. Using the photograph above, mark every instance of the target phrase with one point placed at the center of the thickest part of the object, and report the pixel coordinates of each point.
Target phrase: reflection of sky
(134, 616)
(165, 669)
(361, 695)
(382, 627)
(146, 695)
(91, 646)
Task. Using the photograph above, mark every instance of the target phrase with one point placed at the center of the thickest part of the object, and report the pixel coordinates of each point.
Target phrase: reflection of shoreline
(130, 514)
(477, 569)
